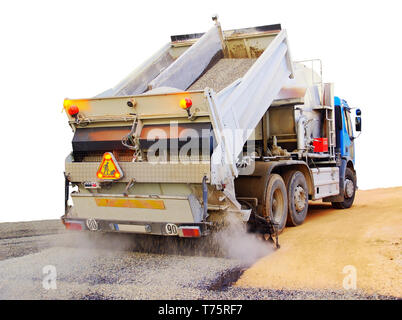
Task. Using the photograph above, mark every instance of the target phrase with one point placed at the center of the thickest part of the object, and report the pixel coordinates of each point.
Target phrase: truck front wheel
(276, 202)
(349, 191)
(297, 190)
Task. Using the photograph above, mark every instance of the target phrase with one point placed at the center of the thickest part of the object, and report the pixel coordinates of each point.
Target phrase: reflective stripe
(130, 203)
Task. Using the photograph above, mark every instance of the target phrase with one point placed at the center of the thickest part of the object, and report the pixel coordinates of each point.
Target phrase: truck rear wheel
(276, 202)
(297, 191)
(349, 192)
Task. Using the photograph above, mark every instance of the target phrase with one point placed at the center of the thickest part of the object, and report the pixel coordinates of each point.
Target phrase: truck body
(214, 124)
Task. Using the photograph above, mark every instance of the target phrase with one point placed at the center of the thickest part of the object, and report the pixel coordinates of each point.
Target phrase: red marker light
(189, 232)
(73, 226)
(186, 103)
(73, 111)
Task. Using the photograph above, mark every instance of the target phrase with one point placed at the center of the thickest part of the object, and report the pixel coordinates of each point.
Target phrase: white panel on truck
(326, 182)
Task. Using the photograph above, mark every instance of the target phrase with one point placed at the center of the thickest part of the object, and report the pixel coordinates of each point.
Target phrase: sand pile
(331, 243)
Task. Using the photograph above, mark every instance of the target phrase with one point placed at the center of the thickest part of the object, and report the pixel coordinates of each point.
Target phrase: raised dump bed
(213, 59)
(231, 77)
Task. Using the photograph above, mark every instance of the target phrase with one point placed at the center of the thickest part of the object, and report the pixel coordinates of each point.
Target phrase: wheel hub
(277, 205)
(299, 199)
(274, 204)
(349, 188)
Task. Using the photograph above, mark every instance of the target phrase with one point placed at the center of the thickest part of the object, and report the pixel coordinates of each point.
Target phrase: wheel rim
(349, 188)
(299, 197)
(277, 205)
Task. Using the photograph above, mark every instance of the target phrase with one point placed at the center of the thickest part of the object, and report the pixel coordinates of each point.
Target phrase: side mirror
(358, 124)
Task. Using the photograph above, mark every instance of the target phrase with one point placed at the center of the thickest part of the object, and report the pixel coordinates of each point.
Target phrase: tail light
(73, 226)
(189, 232)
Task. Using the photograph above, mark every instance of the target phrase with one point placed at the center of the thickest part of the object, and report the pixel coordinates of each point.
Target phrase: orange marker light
(186, 103)
(67, 103)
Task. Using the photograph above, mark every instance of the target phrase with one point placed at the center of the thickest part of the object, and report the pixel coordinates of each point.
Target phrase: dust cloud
(231, 242)
(236, 243)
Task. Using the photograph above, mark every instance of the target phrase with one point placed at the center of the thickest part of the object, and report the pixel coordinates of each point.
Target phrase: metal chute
(238, 108)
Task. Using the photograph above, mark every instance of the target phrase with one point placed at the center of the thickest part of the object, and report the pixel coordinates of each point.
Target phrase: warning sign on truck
(109, 169)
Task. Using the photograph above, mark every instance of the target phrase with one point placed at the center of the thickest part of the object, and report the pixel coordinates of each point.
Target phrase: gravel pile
(30, 228)
(222, 74)
(94, 266)
(99, 274)
(93, 273)
(18, 247)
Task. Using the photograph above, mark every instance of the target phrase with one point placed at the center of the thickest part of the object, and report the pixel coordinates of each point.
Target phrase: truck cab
(344, 130)
(345, 149)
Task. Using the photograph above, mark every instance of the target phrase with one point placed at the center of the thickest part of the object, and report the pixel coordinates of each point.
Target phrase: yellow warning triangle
(109, 169)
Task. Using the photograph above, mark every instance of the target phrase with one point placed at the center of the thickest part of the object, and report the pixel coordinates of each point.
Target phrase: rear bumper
(194, 230)
(136, 208)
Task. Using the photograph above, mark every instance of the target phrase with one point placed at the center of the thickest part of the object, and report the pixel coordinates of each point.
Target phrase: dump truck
(216, 124)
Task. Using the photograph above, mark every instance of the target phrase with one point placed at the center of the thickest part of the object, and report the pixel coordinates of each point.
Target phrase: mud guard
(261, 225)
(258, 224)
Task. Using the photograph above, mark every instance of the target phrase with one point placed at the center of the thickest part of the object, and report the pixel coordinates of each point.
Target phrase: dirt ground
(313, 256)
(309, 264)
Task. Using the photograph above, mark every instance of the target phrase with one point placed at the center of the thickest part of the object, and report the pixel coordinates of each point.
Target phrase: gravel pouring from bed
(222, 74)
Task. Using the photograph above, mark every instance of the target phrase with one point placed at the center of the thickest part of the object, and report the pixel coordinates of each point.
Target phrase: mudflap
(260, 225)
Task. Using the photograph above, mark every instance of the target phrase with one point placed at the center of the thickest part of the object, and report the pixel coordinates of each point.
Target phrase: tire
(350, 182)
(276, 203)
(297, 192)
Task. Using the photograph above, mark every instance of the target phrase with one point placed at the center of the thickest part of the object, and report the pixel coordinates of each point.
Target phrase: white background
(50, 50)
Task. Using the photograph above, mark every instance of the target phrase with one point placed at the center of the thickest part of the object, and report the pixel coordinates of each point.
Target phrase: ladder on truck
(327, 104)
(330, 120)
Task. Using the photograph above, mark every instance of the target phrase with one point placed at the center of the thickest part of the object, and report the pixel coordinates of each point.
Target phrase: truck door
(344, 130)
(348, 146)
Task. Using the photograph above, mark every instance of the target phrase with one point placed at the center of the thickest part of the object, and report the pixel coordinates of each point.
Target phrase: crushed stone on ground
(97, 266)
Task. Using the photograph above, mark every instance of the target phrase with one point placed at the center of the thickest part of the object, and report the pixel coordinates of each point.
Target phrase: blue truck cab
(344, 130)
(345, 150)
